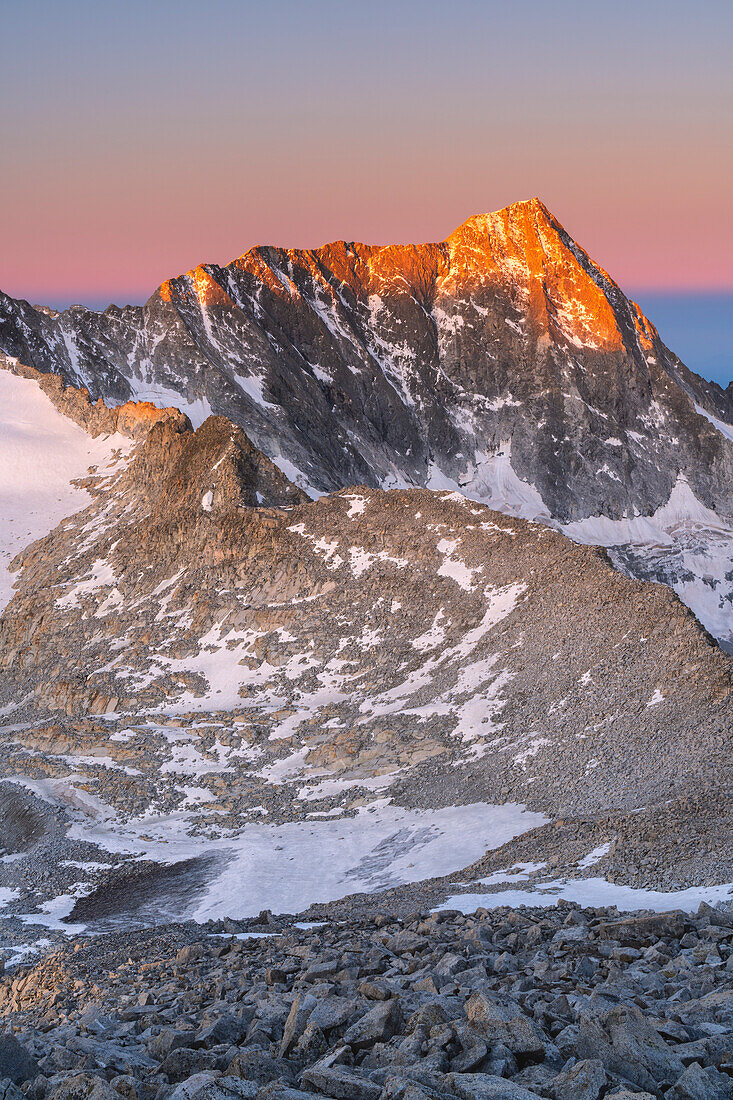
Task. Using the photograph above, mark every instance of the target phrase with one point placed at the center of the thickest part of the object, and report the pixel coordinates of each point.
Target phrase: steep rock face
(177, 471)
(502, 362)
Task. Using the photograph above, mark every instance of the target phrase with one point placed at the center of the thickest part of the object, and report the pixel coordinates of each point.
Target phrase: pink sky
(139, 144)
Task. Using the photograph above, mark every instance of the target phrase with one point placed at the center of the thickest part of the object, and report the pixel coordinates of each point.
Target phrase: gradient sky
(140, 139)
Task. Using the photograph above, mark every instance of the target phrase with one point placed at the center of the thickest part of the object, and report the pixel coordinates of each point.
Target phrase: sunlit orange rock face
(517, 267)
(136, 418)
(523, 247)
(521, 252)
(502, 352)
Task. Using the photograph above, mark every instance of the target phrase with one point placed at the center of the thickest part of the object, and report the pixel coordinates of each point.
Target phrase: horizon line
(59, 300)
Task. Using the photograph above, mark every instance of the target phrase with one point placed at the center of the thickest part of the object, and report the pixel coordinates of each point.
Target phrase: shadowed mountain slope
(201, 653)
(502, 362)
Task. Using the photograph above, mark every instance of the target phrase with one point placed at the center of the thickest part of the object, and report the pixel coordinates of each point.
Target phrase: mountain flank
(204, 640)
(502, 363)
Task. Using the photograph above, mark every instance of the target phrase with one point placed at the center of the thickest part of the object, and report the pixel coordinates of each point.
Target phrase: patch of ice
(195, 796)
(724, 428)
(689, 540)
(534, 746)
(271, 867)
(373, 851)
(357, 505)
(330, 788)
(433, 636)
(492, 480)
(241, 936)
(225, 660)
(595, 856)
(7, 895)
(292, 473)
(101, 575)
(454, 568)
(252, 385)
(41, 452)
(594, 893)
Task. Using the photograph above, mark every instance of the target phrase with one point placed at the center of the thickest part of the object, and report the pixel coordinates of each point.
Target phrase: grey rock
(485, 1086)
(259, 1066)
(341, 1083)
(167, 1040)
(214, 1086)
(83, 1086)
(586, 1080)
(112, 1055)
(9, 1091)
(182, 1062)
(225, 1029)
(298, 1016)
(125, 1086)
(626, 1044)
(95, 1019)
(311, 1045)
(504, 1022)
(697, 1083)
(629, 1094)
(469, 1058)
(317, 971)
(376, 1026)
(566, 1040)
(331, 1012)
(16, 1064)
(712, 1050)
(277, 1091)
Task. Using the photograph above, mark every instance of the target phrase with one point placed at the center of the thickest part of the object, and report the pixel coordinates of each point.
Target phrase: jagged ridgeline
(502, 362)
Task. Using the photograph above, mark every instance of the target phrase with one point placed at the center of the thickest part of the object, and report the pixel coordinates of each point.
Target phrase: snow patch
(41, 452)
(594, 893)
(724, 428)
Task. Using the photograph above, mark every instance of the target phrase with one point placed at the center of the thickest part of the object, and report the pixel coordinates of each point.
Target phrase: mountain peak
(502, 362)
(555, 282)
(514, 213)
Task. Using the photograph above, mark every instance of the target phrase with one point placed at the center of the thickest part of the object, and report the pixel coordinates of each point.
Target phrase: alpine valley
(372, 587)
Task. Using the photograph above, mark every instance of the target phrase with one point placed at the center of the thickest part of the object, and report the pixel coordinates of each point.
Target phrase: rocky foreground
(562, 1003)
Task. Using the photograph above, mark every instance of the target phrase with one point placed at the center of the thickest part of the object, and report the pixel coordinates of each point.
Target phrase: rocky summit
(502, 362)
(336, 759)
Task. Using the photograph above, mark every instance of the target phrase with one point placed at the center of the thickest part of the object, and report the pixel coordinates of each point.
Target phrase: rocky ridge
(202, 644)
(502, 362)
(133, 418)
